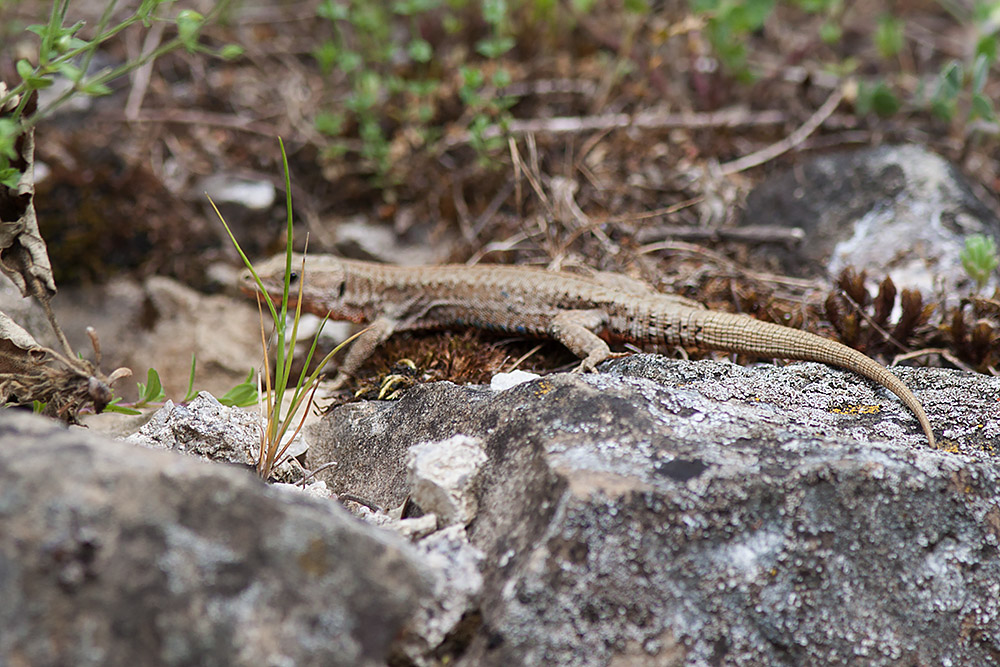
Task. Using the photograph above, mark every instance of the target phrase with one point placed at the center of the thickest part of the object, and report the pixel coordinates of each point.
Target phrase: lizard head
(324, 280)
(272, 275)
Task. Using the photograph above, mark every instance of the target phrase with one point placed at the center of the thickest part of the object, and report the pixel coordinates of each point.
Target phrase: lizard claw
(589, 365)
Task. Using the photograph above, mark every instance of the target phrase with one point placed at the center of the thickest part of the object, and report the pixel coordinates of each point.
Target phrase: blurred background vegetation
(491, 128)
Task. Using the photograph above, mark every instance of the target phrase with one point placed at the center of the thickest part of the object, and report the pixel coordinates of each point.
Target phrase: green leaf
(332, 10)
(888, 36)
(987, 46)
(191, 393)
(10, 130)
(329, 123)
(326, 55)
(495, 46)
(145, 11)
(420, 50)
(231, 51)
(189, 24)
(830, 32)
(982, 107)
(494, 11)
(94, 88)
(944, 109)
(980, 70)
(878, 98)
(28, 74)
(636, 6)
(979, 258)
(414, 7)
(10, 177)
(472, 77)
(242, 395)
(501, 78)
(152, 391)
(349, 61)
(951, 78)
(114, 406)
(884, 101)
(71, 72)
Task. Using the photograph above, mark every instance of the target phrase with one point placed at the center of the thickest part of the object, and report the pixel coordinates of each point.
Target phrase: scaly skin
(580, 312)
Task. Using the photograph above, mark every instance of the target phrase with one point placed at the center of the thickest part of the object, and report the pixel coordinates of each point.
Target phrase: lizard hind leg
(575, 329)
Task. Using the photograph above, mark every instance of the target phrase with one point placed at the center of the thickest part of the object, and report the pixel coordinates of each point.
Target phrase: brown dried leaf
(913, 314)
(31, 372)
(884, 301)
(23, 255)
(959, 333)
(981, 341)
(853, 285)
(834, 314)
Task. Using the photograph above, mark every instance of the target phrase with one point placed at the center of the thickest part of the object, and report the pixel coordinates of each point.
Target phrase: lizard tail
(746, 335)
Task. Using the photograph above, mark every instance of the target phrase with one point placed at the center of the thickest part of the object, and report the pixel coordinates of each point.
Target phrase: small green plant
(888, 36)
(151, 393)
(728, 24)
(398, 89)
(876, 97)
(979, 258)
(959, 86)
(62, 51)
(275, 437)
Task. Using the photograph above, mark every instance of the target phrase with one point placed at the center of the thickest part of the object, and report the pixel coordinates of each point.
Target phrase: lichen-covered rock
(111, 554)
(901, 211)
(668, 512)
(204, 428)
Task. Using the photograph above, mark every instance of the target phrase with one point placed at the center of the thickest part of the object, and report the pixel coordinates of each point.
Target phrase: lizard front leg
(575, 329)
(362, 348)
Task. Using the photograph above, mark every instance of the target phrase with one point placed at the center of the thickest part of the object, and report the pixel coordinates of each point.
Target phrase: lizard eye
(341, 289)
(293, 277)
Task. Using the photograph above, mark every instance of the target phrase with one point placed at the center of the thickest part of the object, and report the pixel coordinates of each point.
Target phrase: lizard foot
(589, 365)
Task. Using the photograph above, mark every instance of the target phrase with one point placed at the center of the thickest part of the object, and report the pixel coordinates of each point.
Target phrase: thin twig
(524, 357)
(206, 118)
(746, 234)
(650, 120)
(791, 141)
(141, 76)
(736, 269)
(313, 473)
(868, 318)
(655, 213)
(361, 501)
(943, 352)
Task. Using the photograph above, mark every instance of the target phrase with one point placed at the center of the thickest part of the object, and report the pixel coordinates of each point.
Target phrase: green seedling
(979, 258)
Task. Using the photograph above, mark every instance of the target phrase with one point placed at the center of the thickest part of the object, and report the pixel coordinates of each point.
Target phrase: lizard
(583, 313)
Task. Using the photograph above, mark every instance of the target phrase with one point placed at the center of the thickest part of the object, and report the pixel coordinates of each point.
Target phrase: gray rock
(371, 463)
(900, 211)
(668, 512)
(444, 477)
(204, 428)
(111, 554)
(455, 566)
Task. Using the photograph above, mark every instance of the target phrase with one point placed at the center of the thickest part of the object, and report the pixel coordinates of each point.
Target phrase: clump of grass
(275, 438)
